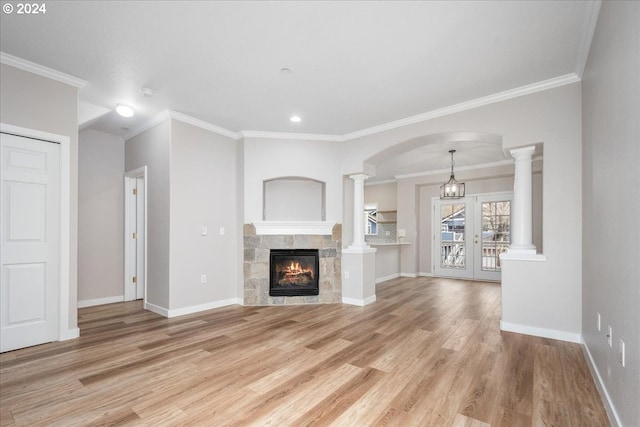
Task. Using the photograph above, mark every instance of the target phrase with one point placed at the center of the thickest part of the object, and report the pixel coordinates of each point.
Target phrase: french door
(470, 234)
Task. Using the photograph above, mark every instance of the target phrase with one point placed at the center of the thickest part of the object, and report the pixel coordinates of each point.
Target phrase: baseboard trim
(359, 302)
(156, 309)
(541, 332)
(614, 419)
(100, 301)
(424, 274)
(69, 334)
(408, 275)
(202, 307)
(389, 277)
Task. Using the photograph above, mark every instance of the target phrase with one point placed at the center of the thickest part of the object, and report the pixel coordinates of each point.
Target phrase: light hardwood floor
(428, 352)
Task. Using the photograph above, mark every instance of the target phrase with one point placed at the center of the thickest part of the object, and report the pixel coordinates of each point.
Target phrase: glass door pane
(496, 229)
(452, 232)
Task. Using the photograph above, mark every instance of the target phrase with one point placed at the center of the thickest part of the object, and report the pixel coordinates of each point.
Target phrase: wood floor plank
(428, 352)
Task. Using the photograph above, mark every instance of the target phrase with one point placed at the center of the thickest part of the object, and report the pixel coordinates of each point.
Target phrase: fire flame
(295, 269)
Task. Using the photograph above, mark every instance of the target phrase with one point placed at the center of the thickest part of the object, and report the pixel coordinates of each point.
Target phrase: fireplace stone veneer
(257, 250)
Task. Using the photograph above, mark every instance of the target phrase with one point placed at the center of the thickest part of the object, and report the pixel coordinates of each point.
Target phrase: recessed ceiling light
(295, 119)
(285, 70)
(124, 110)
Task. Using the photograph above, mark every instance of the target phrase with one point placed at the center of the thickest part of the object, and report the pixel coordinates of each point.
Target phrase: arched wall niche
(293, 198)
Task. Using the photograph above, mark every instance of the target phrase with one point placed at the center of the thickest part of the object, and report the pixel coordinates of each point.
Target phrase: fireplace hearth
(293, 272)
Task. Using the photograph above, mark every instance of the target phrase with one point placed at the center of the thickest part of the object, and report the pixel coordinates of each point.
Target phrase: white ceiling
(354, 65)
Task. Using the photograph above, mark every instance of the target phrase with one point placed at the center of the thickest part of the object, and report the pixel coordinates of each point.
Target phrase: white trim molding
(359, 302)
(541, 332)
(468, 105)
(614, 418)
(286, 135)
(100, 301)
(191, 309)
(202, 307)
(389, 277)
(41, 70)
(202, 124)
(170, 114)
(156, 309)
(294, 227)
(463, 106)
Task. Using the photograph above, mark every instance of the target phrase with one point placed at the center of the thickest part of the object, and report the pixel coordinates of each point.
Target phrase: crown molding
(204, 125)
(41, 70)
(170, 114)
(468, 105)
(463, 106)
(591, 13)
(591, 17)
(287, 135)
(479, 102)
(154, 121)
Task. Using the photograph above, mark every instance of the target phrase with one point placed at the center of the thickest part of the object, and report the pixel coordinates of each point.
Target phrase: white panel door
(140, 230)
(135, 218)
(29, 258)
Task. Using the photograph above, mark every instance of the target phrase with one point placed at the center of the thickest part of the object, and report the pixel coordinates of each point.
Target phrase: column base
(522, 249)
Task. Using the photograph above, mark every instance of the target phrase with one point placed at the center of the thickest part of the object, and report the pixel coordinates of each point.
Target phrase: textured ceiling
(354, 65)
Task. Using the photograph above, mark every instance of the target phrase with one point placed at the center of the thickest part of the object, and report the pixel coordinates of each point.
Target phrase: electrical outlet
(203, 278)
(346, 274)
(599, 322)
(622, 354)
(388, 233)
(610, 337)
(204, 230)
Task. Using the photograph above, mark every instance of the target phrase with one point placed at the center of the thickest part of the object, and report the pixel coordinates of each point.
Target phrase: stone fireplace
(257, 257)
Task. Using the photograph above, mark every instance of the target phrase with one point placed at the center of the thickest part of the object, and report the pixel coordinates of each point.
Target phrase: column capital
(523, 152)
(359, 177)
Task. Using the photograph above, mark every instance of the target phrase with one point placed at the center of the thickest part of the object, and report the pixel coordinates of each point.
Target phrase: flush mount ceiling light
(124, 110)
(452, 189)
(295, 119)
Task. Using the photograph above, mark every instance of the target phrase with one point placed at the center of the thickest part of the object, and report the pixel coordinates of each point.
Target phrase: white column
(521, 210)
(358, 212)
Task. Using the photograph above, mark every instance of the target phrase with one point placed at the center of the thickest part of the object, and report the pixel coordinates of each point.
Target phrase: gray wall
(611, 204)
(36, 102)
(204, 192)
(385, 195)
(100, 217)
(152, 148)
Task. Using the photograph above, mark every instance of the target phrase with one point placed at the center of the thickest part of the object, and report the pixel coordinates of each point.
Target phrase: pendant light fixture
(452, 189)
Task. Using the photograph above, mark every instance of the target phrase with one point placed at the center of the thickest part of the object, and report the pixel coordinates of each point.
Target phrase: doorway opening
(135, 234)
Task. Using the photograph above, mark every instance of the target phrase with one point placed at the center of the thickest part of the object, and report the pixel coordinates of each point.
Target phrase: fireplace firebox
(293, 272)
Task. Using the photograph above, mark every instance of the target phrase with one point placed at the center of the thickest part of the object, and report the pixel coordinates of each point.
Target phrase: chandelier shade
(452, 189)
